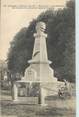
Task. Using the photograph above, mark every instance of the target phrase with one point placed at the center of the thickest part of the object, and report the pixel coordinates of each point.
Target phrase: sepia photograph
(37, 58)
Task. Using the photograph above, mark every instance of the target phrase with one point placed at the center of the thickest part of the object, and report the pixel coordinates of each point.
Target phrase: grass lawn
(56, 107)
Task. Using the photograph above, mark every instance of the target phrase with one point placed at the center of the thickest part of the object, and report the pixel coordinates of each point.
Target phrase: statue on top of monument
(40, 27)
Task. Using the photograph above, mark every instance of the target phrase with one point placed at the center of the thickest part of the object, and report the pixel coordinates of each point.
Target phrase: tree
(60, 42)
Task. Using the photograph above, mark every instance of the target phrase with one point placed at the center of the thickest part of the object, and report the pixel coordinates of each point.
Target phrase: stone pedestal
(43, 95)
(15, 92)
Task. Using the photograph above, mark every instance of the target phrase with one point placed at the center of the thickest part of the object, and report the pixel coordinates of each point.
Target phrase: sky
(16, 14)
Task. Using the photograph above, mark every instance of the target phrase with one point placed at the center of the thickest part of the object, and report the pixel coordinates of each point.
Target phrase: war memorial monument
(39, 70)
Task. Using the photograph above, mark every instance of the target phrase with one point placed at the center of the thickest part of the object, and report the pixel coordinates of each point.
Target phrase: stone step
(26, 100)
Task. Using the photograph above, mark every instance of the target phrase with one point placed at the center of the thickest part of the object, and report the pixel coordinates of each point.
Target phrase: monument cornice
(38, 35)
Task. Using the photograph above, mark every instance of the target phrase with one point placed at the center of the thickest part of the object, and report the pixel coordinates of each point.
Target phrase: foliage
(60, 42)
